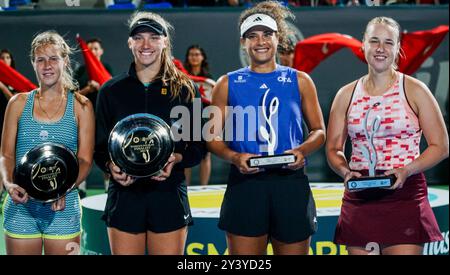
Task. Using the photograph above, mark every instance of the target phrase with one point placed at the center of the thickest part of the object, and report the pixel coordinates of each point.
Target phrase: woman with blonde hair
(148, 214)
(398, 220)
(51, 113)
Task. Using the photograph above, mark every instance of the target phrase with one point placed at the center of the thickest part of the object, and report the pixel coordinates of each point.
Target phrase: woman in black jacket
(152, 213)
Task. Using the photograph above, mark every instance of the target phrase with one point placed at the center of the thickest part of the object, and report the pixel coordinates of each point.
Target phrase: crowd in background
(158, 4)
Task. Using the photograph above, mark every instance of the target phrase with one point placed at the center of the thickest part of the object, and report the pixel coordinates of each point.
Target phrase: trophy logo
(140, 144)
(370, 153)
(270, 137)
(47, 175)
(47, 172)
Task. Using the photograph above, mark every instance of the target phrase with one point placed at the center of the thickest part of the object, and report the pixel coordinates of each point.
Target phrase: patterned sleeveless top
(397, 139)
(267, 111)
(31, 132)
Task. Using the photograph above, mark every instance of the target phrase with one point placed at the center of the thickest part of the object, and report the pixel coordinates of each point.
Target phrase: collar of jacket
(132, 72)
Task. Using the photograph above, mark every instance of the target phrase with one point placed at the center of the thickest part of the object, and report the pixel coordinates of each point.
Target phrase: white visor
(258, 19)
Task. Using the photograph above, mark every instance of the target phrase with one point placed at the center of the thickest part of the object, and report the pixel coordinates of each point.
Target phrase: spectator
(286, 54)
(6, 93)
(196, 63)
(89, 88)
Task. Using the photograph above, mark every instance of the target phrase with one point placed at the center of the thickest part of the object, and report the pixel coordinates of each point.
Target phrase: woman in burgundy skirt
(396, 110)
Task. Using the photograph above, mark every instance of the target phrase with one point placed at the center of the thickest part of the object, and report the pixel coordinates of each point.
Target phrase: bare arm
(314, 119)
(432, 123)
(337, 132)
(92, 86)
(220, 99)
(8, 149)
(217, 145)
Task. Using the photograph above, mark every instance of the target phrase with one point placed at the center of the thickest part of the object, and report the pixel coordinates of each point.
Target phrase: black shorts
(158, 207)
(278, 203)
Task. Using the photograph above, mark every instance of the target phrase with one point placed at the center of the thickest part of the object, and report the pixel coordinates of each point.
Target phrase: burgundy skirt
(388, 217)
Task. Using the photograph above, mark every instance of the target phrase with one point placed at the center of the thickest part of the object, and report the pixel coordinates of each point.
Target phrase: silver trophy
(47, 172)
(373, 180)
(271, 160)
(141, 144)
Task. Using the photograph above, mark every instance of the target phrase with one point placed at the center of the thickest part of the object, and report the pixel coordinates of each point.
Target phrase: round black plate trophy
(371, 181)
(47, 172)
(140, 145)
(271, 160)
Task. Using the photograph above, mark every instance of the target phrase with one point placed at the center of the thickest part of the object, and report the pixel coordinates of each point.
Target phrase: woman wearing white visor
(273, 204)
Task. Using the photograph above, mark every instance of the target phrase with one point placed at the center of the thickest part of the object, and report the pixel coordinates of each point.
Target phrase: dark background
(217, 32)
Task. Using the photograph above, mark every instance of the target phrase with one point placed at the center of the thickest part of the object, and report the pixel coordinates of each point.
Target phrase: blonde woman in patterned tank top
(408, 110)
(54, 113)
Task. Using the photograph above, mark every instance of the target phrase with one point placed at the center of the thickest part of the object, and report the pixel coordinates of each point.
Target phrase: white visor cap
(258, 19)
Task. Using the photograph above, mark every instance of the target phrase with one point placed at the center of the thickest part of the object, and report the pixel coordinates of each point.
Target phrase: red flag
(418, 46)
(96, 70)
(179, 65)
(205, 85)
(205, 88)
(313, 50)
(13, 78)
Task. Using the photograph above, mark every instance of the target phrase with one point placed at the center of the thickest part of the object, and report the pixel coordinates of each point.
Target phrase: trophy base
(364, 183)
(275, 161)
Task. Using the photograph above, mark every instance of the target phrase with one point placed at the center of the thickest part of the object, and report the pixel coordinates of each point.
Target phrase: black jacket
(124, 95)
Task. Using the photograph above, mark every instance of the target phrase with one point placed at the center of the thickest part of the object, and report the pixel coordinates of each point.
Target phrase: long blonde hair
(169, 73)
(393, 24)
(53, 38)
(278, 12)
